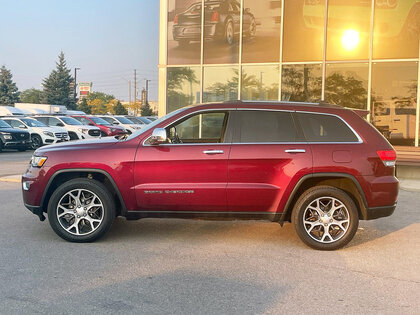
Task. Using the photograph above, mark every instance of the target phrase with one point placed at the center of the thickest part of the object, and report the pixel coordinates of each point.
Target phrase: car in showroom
(107, 129)
(221, 22)
(41, 134)
(13, 139)
(75, 129)
(123, 122)
(321, 167)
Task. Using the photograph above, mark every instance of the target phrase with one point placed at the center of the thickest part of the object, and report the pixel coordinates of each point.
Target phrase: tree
(57, 87)
(346, 91)
(84, 106)
(33, 96)
(119, 109)
(97, 106)
(9, 94)
(106, 98)
(146, 110)
(99, 102)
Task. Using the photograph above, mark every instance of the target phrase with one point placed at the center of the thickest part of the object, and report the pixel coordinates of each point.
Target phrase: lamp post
(75, 83)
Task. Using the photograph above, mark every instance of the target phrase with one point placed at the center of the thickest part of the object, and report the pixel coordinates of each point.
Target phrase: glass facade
(360, 54)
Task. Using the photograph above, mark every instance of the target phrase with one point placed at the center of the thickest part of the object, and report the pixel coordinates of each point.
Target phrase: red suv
(321, 167)
(106, 128)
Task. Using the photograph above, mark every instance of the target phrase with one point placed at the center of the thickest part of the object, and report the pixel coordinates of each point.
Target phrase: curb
(410, 185)
(11, 179)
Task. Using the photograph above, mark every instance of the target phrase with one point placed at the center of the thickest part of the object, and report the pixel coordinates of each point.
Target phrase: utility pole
(135, 91)
(75, 83)
(147, 90)
(129, 93)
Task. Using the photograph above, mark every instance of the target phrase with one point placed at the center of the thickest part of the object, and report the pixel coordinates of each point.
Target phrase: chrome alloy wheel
(326, 219)
(229, 33)
(80, 212)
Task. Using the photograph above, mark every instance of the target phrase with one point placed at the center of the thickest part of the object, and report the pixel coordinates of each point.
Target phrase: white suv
(41, 134)
(74, 127)
(123, 122)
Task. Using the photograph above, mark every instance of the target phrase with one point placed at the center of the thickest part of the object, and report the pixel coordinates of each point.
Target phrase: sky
(106, 39)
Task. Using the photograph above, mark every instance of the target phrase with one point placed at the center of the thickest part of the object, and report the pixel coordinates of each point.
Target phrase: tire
(229, 35)
(103, 134)
(312, 230)
(183, 43)
(22, 149)
(73, 136)
(84, 229)
(252, 29)
(1, 145)
(36, 142)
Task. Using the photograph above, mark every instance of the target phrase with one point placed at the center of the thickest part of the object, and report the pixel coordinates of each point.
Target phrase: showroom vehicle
(123, 122)
(13, 139)
(107, 129)
(75, 128)
(322, 167)
(221, 22)
(40, 133)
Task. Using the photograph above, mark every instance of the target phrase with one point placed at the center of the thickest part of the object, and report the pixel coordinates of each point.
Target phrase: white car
(122, 121)
(74, 127)
(41, 134)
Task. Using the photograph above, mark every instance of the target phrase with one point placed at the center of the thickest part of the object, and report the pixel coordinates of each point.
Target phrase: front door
(267, 153)
(189, 173)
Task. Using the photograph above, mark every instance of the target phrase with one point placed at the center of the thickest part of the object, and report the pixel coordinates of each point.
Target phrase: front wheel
(36, 142)
(81, 210)
(325, 218)
(229, 32)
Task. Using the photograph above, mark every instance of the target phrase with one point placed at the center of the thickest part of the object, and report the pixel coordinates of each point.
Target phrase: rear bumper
(379, 212)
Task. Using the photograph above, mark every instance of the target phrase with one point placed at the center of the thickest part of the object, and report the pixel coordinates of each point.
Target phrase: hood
(56, 129)
(90, 144)
(12, 130)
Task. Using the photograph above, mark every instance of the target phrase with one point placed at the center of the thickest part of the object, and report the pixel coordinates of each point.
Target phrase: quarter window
(325, 128)
(265, 126)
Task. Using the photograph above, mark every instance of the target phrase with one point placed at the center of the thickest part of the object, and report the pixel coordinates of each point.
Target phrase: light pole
(75, 83)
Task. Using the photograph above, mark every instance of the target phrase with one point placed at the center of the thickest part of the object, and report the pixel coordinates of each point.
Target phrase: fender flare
(85, 170)
(282, 216)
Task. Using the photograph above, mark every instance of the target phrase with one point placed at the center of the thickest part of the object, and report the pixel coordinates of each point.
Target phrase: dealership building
(360, 54)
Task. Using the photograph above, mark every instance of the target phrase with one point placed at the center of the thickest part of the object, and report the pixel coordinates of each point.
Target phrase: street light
(75, 83)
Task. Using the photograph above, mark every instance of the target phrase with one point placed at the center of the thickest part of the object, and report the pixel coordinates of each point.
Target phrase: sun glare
(350, 39)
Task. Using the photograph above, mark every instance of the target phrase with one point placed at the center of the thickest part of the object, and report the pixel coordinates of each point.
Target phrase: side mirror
(158, 136)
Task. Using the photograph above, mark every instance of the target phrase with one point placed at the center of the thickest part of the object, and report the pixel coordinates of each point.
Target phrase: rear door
(268, 153)
(190, 172)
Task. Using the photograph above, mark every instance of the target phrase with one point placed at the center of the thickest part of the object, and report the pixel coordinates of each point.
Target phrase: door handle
(212, 152)
(295, 151)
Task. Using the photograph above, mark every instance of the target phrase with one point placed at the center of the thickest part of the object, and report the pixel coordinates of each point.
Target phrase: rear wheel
(81, 210)
(325, 218)
(36, 142)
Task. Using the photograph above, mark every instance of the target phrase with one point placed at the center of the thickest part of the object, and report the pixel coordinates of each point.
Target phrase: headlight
(7, 136)
(38, 161)
(49, 134)
(83, 130)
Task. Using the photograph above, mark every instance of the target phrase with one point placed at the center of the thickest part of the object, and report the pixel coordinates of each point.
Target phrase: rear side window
(265, 126)
(325, 128)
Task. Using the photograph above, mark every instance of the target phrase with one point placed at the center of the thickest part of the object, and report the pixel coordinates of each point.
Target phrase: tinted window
(14, 123)
(33, 122)
(71, 121)
(265, 126)
(44, 120)
(325, 128)
(54, 121)
(3, 124)
(100, 121)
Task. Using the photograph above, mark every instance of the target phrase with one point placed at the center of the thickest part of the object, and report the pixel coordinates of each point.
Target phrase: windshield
(99, 121)
(136, 121)
(4, 124)
(144, 120)
(71, 121)
(124, 120)
(156, 122)
(33, 122)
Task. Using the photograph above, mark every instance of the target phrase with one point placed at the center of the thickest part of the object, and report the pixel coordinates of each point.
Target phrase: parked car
(221, 22)
(122, 121)
(75, 128)
(40, 133)
(13, 139)
(151, 118)
(321, 167)
(107, 129)
(139, 120)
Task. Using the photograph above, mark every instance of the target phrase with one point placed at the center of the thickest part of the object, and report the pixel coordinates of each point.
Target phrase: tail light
(215, 17)
(176, 19)
(388, 157)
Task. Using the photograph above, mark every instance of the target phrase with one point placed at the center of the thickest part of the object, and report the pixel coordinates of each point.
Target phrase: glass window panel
(261, 31)
(348, 29)
(221, 31)
(183, 87)
(303, 30)
(347, 84)
(220, 84)
(396, 29)
(301, 83)
(394, 94)
(184, 32)
(260, 83)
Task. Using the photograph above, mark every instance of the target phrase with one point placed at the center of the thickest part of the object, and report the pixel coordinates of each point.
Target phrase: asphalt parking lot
(159, 266)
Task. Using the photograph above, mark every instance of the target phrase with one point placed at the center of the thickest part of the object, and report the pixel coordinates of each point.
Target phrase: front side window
(325, 128)
(265, 126)
(14, 123)
(54, 122)
(201, 128)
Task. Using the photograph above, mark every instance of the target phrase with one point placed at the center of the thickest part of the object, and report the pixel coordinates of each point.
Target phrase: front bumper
(379, 212)
(37, 211)
(17, 144)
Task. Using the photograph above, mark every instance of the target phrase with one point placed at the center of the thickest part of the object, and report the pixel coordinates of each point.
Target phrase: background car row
(31, 132)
